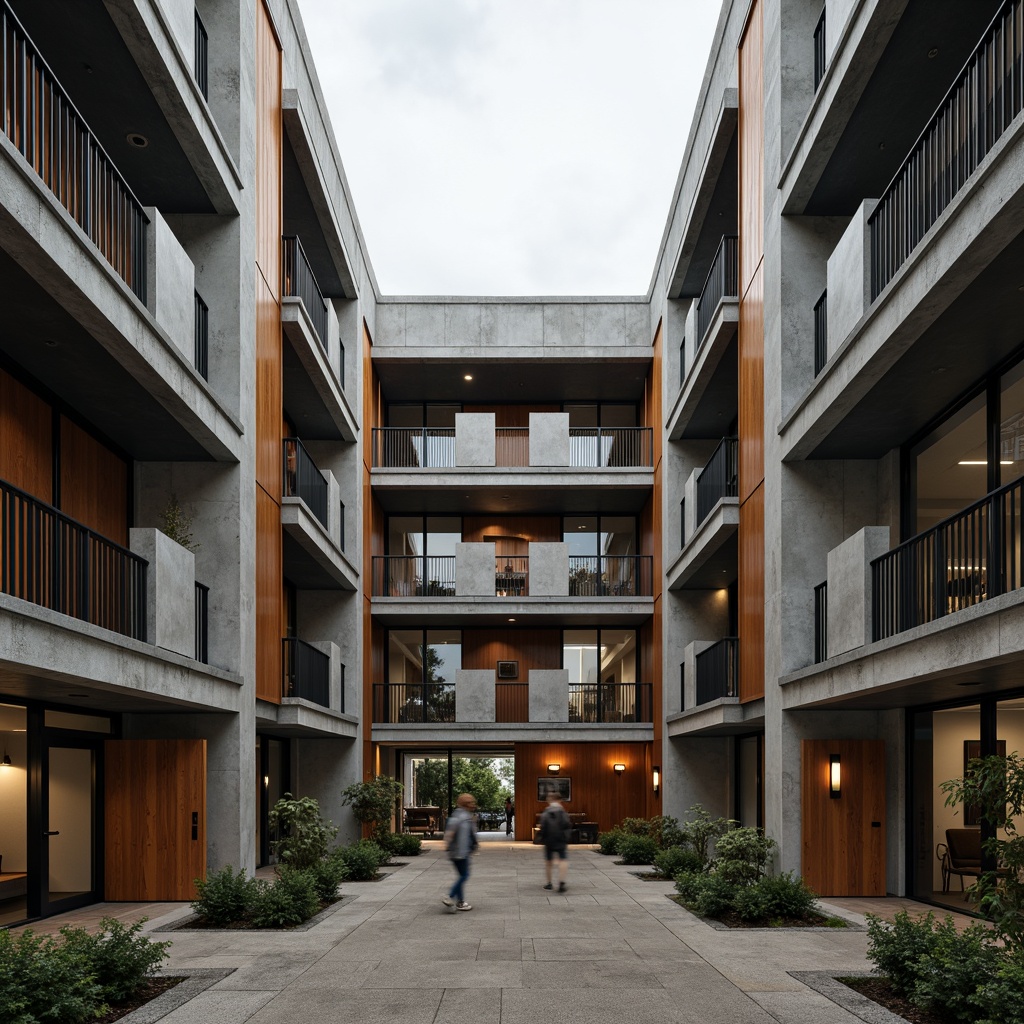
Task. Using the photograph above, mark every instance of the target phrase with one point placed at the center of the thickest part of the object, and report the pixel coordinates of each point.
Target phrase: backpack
(556, 827)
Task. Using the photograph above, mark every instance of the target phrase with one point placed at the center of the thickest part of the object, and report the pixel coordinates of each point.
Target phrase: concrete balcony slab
(487, 611)
(708, 561)
(298, 718)
(723, 717)
(455, 733)
(312, 560)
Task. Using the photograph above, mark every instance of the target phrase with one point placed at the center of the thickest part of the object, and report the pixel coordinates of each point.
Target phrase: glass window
(580, 533)
(443, 533)
(405, 658)
(618, 416)
(405, 415)
(618, 535)
(444, 655)
(442, 415)
(581, 415)
(405, 535)
(618, 655)
(14, 812)
(579, 655)
(1011, 425)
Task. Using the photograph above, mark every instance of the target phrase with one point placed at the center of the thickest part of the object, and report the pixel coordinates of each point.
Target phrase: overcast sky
(524, 147)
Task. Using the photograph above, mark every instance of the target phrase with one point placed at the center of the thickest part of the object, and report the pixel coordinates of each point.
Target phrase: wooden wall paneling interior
(532, 648)
(512, 415)
(751, 596)
(269, 592)
(26, 439)
(842, 851)
(605, 797)
(93, 483)
(152, 789)
(547, 529)
(751, 146)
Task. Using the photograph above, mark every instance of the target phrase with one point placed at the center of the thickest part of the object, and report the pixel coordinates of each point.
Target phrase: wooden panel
(26, 439)
(152, 790)
(751, 388)
(511, 415)
(751, 147)
(269, 392)
(512, 702)
(269, 577)
(605, 797)
(547, 529)
(843, 840)
(269, 127)
(532, 648)
(751, 596)
(93, 483)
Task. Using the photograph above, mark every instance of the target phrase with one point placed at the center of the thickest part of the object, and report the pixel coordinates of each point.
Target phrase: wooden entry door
(843, 847)
(155, 811)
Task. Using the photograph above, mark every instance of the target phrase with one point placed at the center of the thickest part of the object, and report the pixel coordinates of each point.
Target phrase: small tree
(373, 801)
(176, 522)
(701, 830)
(303, 835)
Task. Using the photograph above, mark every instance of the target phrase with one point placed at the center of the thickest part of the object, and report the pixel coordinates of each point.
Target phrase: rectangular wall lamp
(618, 768)
(834, 777)
(656, 778)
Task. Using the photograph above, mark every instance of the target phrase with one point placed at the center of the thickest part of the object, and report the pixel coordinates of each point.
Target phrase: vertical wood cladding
(512, 415)
(269, 128)
(26, 439)
(751, 596)
(508, 531)
(843, 840)
(532, 648)
(373, 544)
(269, 594)
(751, 387)
(751, 147)
(269, 391)
(651, 533)
(93, 483)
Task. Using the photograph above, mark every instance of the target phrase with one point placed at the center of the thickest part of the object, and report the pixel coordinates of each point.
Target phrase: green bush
(897, 948)
(290, 899)
(327, 875)
(224, 896)
(635, 849)
(999, 999)
(782, 896)
(121, 958)
(701, 830)
(712, 895)
(608, 842)
(362, 859)
(303, 835)
(664, 830)
(949, 974)
(373, 802)
(408, 845)
(743, 854)
(671, 861)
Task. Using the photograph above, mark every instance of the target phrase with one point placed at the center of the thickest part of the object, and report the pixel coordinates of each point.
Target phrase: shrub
(1000, 999)
(608, 842)
(702, 830)
(362, 859)
(637, 849)
(743, 854)
(373, 801)
(664, 830)
(303, 835)
(949, 974)
(686, 884)
(327, 875)
(290, 899)
(781, 896)
(671, 861)
(224, 896)
(121, 958)
(408, 845)
(712, 895)
(896, 949)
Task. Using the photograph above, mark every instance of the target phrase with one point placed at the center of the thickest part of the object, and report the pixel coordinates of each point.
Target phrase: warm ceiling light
(137, 140)
(511, 620)
(6, 762)
(933, 52)
(553, 768)
(618, 768)
(983, 462)
(467, 376)
(656, 778)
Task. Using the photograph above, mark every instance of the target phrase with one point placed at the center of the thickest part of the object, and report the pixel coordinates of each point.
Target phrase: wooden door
(155, 818)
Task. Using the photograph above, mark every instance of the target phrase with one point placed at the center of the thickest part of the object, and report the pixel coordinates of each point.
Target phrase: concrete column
(549, 569)
(549, 695)
(170, 284)
(170, 591)
(474, 439)
(334, 524)
(549, 439)
(474, 695)
(849, 588)
(474, 570)
(849, 277)
(690, 348)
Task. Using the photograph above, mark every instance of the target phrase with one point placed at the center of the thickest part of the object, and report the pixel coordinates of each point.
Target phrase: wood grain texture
(512, 415)
(269, 392)
(374, 637)
(505, 531)
(532, 648)
(751, 387)
(151, 790)
(511, 702)
(269, 140)
(269, 595)
(842, 852)
(751, 596)
(93, 483)
(26, 439)
(751, 146)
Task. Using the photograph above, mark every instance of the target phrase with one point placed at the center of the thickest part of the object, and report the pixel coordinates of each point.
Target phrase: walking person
(510, 811)
(555, 827)
(460, 841)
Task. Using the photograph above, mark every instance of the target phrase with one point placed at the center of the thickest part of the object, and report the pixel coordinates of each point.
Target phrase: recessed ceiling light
(137, 140)
(50, 343)
(983, 462)
(933, 52)
(511, 620)
(467, 376)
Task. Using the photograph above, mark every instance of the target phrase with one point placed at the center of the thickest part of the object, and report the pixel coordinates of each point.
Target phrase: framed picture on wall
(972, 750)
(508, 669)
(561, 785)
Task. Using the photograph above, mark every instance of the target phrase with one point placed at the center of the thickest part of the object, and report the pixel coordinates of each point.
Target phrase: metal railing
(57, 563)
(986, 96)
(303, 480)
(717, 671)
(202, 57)
(820, 58)
(682, 524)
(402, 703)
(341, 526)
(722, 283)
(682, 362)
(821, 623)
(611, 575)
(512, 575)
(307, 672)
(202, 338)
(341, 364)
(718, 479)
(413, 576)
(300, 283)
(964, 560)
(821, 333)
(202, 623)
(610, 702)
(597, 447)
(414, 447)
(682, 686)
(512, 446)
(40, 119)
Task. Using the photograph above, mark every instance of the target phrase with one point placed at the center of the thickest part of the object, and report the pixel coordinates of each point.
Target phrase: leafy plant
(949, 974)
(675, 859)
(712, 896)
(897, 948)
(780, 896)
(663, 829)
(469, 775)
(327, 875)
(224, 896)
(999, 998)
(406, 845)
(743, 854)
(362, 859)
(176, 522)
(373, 801)
(303, 835)
(290, 899)
(637, 849)
(701, 830)
(608, 842)
(121, 958)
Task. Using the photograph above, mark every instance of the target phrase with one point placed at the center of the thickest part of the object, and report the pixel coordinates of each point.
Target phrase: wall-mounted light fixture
(834, 777)
(656, 778)
(618, 768)
(6, 762)
(553, 768)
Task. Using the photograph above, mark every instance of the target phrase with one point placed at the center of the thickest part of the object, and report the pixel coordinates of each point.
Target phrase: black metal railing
(341, 364)
(300, 283)
(682, 362)
(202, 623)
(718, 479)
(821, 333)
(964, 560)
(401, 703)
(413, 576)
(57, 563)
(820, 58)
(610, 702)
(717, 671)
(341, 526)
(512, 575)
(722, 283)
(414, 447)
(40, 119)
(202, 56)
(596, 447)
(303, 480)
(682, 524)
(986, 96)
(307, 672)
(682, 686)
(821, 623)
(202, 339)
(611, 575)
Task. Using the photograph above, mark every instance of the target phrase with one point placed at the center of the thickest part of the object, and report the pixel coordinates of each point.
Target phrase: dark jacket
(555, 827)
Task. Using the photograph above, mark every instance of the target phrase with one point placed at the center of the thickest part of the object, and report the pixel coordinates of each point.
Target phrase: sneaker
(561, 886)
(463, 906)
(549, 886)
(448, 901)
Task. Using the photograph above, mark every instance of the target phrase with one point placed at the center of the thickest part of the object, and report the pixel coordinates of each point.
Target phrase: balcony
(596, 703)
(307, 672)
(300, 283)
(716, 672)
(409, 703)
(721, 286)
(820, 55)
(708, 694)
(201, 65)
(718, 479)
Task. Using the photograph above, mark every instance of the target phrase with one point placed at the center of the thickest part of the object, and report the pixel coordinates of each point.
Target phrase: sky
(524, 147)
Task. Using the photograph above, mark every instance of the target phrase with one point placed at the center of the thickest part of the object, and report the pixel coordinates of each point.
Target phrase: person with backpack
(460, 841)
(555, 827)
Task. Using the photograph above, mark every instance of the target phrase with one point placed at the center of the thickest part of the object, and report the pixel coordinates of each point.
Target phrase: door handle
(51, 833)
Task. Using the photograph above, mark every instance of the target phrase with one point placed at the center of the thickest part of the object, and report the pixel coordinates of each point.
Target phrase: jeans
(508, 824)
(462, 867)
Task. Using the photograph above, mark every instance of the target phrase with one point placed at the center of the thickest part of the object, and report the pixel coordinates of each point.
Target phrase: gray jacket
(460, 834)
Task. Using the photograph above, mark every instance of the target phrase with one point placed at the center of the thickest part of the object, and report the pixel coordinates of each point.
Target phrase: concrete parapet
(180, 21)
(549, 569)
(170, 590)
(848, 277)
(690, 523)
(837, 13)
(849, 588)
(474, 570)
(549, 695)
(170, 284)
(690, 338)
(334, 510)
(689, 694)
(549, 439)
(474, 439)
(474, 695)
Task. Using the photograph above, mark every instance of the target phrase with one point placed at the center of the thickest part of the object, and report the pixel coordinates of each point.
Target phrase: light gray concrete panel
(474, 439)
(334, 511)
(549, 439)
(424, 324)
(690, 523)
(849, 277)
(391, 325)
(170, 283)
(474, 695)
(849, 588)
(549, 695)
(333, 653)
(511, 325)
(563, 325)
(549, 569)
(474, 570)
(461, 325)
(837, 13)
(605, 324)
(170, 590)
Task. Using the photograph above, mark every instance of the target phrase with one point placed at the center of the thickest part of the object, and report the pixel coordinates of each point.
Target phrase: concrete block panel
(849, 277)
(849, 588)
(604, 324)
(474, 570)
(549, 695)
(511, 325)
(474, 439)
(391, 325)
(180, 20)
(638, 325)
(549, 439)
(563, 325)
(335, 526)
(171, 284)
(474, 695)
(170, 591)
(461, 325)
(690, 523)
(424, 324)
(549, 569)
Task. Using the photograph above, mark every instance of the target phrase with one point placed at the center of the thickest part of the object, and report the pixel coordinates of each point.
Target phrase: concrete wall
(549, 695)
(474, 695)
(837, 13)
(170, 284)
(849, 277)
(549, 439)
(170, 591)
(474, 439)
(549, 569)
(849, 588)
(474, 570)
